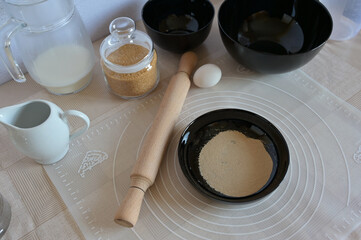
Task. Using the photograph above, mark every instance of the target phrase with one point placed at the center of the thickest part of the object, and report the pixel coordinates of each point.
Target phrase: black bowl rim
(177, 34)
(271, 54)
(280, 173)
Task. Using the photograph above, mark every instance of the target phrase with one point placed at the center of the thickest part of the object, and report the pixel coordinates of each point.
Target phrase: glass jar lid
(122, 32)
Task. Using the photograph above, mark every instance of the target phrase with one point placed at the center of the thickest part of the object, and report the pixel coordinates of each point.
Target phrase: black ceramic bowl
(273, 36)
(178, 25)
(207, 126)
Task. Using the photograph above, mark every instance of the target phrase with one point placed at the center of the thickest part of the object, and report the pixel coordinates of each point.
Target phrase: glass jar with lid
(129, 60)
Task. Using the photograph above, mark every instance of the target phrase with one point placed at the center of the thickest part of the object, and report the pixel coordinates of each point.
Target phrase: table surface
(38, 211)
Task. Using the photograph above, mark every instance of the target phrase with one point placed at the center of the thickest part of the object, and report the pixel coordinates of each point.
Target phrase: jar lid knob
(122, 27)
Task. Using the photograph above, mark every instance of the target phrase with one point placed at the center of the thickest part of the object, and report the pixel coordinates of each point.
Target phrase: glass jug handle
(10, 63)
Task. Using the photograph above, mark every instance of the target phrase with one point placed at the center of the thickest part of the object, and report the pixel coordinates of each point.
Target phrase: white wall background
(96, 15)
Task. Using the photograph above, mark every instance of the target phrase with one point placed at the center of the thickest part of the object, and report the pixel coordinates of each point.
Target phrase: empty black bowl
(178, 25)
(273, 36)
(207, 126)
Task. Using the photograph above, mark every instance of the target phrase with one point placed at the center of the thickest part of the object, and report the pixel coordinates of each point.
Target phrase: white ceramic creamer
(40, 130)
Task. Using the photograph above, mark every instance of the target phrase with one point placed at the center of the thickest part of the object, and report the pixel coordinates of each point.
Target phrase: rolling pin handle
(127, 215)
(187, 63)
(128, 212)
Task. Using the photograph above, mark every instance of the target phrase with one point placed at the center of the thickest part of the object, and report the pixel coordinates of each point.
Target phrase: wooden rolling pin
(150, 156)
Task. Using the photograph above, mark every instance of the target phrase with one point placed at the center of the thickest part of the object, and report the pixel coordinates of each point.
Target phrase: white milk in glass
(64, 69)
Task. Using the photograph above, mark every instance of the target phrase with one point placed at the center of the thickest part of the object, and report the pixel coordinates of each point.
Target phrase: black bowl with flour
(233, 155)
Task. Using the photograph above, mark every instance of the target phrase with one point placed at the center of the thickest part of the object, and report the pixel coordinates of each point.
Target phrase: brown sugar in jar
(131, 84)
(129, 61)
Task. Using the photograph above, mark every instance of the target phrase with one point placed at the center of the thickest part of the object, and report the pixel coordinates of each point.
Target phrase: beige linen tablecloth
(38, 211)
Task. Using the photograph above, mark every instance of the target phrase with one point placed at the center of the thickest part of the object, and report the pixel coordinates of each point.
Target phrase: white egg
(207, 75)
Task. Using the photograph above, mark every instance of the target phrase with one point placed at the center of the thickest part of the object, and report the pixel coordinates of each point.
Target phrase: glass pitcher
(53, 42)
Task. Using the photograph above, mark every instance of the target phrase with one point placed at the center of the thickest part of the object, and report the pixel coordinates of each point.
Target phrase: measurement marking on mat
(69, 183)
(77, 191)
(59, 167)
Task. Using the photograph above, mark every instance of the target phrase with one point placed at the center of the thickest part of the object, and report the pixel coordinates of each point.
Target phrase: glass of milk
(53, 42)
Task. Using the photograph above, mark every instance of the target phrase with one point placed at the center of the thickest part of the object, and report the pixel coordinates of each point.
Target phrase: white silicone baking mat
(318, 199)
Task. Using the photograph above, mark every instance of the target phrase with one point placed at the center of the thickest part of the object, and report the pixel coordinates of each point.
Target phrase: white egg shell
(207, 75)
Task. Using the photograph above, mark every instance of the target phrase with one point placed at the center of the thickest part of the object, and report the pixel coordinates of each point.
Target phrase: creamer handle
(80, 115)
